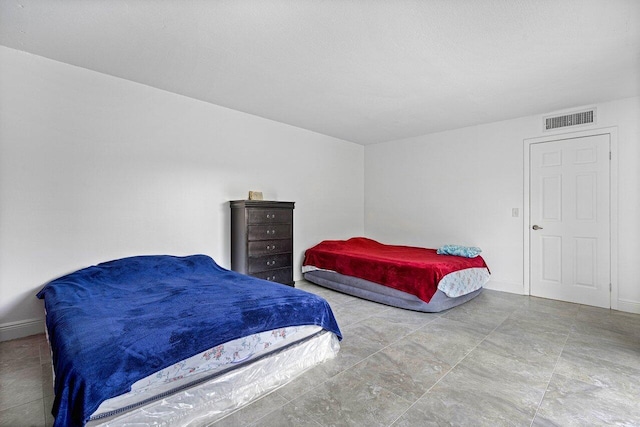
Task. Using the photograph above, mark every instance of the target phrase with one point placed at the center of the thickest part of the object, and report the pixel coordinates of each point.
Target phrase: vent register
(572, 119)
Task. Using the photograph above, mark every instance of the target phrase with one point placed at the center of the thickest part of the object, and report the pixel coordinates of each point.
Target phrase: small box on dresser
(262, 239)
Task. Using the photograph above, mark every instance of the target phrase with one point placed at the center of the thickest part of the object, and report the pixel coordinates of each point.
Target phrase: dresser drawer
(270, 232)
(269, 216)
(269, 262)
(282, 275)
(266, 247)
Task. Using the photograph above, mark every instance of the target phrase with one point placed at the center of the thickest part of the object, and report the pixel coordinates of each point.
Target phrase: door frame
(613, 202)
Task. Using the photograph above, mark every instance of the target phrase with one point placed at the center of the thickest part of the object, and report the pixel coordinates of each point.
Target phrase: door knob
(536, 227)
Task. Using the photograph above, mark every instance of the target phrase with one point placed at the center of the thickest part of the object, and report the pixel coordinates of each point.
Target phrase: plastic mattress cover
(218, 397)
(201, 366)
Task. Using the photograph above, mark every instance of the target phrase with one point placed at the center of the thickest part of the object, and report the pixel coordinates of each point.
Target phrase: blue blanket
(115, 323)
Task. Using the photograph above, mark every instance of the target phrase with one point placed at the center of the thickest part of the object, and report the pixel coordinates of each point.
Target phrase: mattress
(384, 294)
(414, 270)
(224, 393)
(203, 366)
(138, 330)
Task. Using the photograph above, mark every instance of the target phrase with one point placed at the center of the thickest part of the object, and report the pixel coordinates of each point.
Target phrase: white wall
(460, 187)
(94, 168)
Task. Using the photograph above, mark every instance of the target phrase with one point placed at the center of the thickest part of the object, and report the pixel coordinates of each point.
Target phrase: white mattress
(221, 395)
(202, 366)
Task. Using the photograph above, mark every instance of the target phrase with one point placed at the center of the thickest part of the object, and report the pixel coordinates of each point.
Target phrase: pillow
(457, 250)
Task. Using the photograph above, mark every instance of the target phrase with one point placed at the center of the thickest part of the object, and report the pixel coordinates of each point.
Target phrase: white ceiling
(365, 71)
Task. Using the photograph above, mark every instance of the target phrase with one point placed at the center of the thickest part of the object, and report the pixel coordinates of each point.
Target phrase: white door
(570, 224)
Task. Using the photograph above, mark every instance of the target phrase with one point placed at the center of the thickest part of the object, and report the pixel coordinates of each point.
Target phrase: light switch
(514, 212)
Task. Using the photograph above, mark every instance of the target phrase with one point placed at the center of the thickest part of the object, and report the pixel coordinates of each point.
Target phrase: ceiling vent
(572, 119)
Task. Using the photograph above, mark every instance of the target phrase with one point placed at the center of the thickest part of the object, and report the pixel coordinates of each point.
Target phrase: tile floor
(500, 359)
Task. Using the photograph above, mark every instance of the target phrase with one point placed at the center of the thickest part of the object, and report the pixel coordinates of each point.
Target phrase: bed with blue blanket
(142, 323)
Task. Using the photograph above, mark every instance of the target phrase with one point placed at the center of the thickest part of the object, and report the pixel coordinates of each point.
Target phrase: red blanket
(413, 270)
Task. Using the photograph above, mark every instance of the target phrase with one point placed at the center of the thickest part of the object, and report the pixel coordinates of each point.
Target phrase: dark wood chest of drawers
(262, 239)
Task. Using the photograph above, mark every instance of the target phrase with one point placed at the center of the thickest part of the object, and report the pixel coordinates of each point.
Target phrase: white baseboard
(23, 328)
(511, 287)
(628, 306)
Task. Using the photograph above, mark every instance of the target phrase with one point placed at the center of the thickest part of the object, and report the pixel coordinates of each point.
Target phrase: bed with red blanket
(402, 276)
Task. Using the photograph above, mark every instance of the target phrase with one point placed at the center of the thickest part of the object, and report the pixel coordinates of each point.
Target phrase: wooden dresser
(262, 239)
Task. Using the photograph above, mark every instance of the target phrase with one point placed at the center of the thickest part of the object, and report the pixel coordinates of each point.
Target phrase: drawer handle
(271, 247)
(271, 216)
(271, 278)
(271, 231)
(270, 263)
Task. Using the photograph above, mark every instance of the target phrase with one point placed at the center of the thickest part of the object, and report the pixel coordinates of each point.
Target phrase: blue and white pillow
(457, 250)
